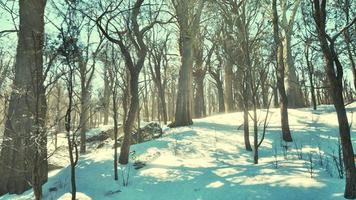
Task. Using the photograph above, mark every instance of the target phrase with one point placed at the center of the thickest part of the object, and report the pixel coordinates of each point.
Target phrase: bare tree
(287, 21)
(280, 70)
(157, 54)
(86, 73)
(188, 16)
(335, 81)
(132, 35)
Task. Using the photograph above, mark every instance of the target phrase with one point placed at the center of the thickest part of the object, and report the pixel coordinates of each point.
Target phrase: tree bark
(335, 88)
(130, 120)
(311, 77)
(106, 96)
(278, 51)
(293, 88)
(183, 115)
(229, 102)
(23, 162)
(84, 106)
(199, 100)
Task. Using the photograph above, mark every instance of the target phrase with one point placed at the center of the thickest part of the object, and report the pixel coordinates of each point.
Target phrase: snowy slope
(207, 161)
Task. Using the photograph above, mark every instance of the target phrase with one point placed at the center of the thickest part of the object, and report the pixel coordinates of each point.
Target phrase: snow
(207, 161)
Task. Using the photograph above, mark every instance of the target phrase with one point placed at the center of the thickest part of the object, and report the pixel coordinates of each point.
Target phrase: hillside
(207, 161)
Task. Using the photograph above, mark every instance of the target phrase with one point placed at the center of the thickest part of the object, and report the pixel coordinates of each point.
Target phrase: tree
(23, 159)
(199, 72)
(280, 70)
(215, 73)
(188, 16)
(86, 73)
(157, 54)
(131, 35)
(293, 89)
(335, 81)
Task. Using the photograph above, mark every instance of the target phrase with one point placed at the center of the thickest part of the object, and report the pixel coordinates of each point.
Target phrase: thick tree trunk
(27, 109)
(183, 115)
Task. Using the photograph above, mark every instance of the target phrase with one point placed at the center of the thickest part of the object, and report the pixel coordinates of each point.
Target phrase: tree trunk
(246, 131)
(27, 108)
(229, 102)
(335, 88)
(163, 105)
(293, 89)
(199, 100)
(84, 117)
(145, 97)
(278, 51)
(106, 97)
(58, 115)
(255, 132)
(115, 116)
(131, 117)
(275, 96)
(220, 89)
(183, 115)
(311, 76)
(84, 106)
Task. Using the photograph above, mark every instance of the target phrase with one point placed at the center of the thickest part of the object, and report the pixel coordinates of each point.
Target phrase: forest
(177, 99)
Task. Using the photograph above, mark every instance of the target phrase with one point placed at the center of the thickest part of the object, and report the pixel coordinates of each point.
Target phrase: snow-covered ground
(207, 161)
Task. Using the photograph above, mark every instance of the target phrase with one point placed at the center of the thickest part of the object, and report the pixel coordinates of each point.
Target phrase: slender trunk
(293, 89)
(221, 97)
(255, 132)
(199, 100)
(106, 99)
(163, 105)
(115, 116)
(228, 88)
(58, 116)
(335, 78)
(275, 96)
(145, 103)
(246, 131)
(311, 76)
(264, 94)
(130, 120)
(84, 117)
(71, 136)
(278, 51)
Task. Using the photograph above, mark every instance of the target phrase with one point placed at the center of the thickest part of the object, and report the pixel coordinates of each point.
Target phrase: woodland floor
(207, 161)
